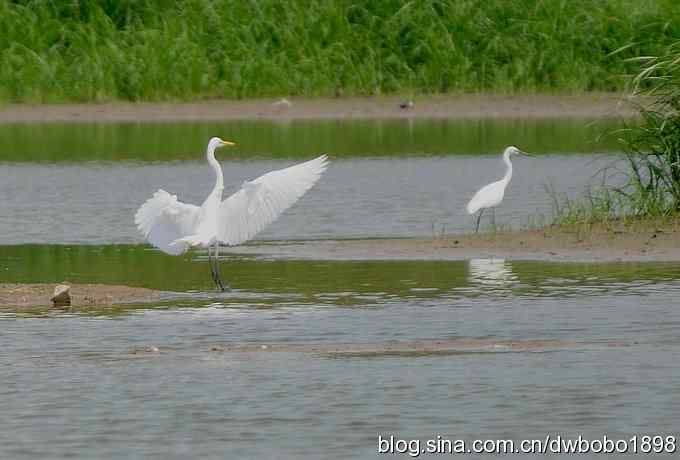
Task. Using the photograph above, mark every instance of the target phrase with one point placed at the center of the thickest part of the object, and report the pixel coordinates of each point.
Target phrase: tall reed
(93, 50)
(653, 146)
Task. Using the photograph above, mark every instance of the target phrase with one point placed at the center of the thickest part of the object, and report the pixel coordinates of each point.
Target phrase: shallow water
(82, 183)
(80, 382)
(370, 197)
(87, 382)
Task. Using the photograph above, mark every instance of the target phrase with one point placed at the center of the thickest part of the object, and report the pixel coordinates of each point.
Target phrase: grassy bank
(192, 49)
(650, 189)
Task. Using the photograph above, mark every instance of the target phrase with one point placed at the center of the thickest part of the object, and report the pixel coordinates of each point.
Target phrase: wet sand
(633, 242)
(428, 347)
(412, 348)
(590, 105)
(381, 349)
(82, 295)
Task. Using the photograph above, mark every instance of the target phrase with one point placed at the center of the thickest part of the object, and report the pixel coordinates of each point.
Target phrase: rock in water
(62, 295)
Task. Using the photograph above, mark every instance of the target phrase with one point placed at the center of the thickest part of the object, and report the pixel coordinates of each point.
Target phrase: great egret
(491, 195)
(174, 227)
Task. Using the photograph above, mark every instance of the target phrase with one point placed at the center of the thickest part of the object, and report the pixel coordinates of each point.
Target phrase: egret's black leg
(219, 283)
(493, 218)
(479, 217)
(212, 267)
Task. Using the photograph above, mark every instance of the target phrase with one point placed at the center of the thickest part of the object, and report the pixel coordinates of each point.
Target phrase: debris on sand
(62, 295)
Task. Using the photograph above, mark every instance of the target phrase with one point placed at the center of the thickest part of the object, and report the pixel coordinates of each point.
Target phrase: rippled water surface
(82, 183)
(88, 383)
(95, 203)
(312, 359)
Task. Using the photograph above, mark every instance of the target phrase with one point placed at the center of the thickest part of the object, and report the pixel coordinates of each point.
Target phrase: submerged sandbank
(413, 348)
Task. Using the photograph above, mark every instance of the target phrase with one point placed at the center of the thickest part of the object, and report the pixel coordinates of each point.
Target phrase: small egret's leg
(219, 283)
(493, 218)
(479, 217)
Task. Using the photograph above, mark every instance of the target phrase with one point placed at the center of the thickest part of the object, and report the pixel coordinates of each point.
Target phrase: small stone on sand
(62, 295)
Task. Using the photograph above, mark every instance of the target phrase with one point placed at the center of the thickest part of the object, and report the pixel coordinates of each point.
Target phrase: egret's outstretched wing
(259, 202)
(162, 219)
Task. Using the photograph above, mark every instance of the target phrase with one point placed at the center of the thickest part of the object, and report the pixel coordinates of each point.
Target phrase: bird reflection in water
(491, 272)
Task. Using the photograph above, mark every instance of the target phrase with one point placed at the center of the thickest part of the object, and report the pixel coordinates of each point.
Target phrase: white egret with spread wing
(174, 227)
(491, 195)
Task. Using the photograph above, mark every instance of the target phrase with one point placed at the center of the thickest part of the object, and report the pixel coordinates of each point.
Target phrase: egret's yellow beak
(227, 143)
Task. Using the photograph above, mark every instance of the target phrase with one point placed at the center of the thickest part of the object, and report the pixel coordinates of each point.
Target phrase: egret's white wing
(162, 219)
(259, 202)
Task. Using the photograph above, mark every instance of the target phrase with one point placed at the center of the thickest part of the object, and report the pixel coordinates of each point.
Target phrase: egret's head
(512, 150)
(216, 142)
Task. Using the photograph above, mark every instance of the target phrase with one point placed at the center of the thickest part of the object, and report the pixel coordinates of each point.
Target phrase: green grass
(653, 146)
(651, 152)
(80, 50)
(598, 206)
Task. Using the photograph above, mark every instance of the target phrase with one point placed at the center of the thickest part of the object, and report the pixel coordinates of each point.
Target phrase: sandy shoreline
(465, 106)
(646, 242)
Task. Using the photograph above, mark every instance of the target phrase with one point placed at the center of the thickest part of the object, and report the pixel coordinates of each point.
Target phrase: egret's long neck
(215, 165)
(508, 171)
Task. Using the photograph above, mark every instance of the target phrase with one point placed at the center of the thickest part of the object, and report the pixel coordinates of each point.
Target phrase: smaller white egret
(491, 195)
(174, 227)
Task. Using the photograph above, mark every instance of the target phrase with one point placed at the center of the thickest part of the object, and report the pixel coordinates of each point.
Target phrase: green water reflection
(73, 142)
(144, 267)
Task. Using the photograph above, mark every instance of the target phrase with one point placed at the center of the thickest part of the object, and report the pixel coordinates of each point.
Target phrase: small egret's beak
(524, 153)
(227, 143)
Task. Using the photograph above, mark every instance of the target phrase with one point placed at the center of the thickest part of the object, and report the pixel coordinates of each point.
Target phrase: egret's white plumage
(174, 227)
(163, 220)
(491, 195)
(260, 202)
